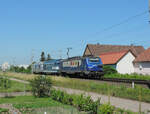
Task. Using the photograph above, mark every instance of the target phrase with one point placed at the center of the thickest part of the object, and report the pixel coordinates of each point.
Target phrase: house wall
(125, 65)
(142, 68)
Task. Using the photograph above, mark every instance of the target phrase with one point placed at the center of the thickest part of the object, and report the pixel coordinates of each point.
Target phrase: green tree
(42, 56)
(41, 86)
(48, 57)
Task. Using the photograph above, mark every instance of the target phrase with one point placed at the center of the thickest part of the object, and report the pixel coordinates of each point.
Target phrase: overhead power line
(124, 21)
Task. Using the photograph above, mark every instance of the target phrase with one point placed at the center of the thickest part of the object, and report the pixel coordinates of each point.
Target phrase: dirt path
(115, 101)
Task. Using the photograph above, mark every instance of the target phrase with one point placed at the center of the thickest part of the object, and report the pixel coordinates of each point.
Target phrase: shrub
(109, 69)
(79, 101)
(41, 86)
(106, 109)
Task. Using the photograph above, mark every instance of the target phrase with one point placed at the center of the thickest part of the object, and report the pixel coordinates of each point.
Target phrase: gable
(87, 52)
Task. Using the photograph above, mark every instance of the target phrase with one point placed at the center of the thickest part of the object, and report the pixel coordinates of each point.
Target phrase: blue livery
(78, 66)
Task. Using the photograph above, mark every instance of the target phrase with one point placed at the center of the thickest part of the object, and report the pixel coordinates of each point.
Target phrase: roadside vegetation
(93, 86)
(55, 101)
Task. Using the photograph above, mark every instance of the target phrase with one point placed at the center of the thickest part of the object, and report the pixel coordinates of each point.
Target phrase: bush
(109, 69)
(106, 109)
(79, 101)
(41, 86)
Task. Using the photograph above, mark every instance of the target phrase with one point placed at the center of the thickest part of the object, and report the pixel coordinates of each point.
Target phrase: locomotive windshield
(94, 60)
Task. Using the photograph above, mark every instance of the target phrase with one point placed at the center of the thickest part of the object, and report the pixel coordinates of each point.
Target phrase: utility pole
(149, 11)
(68, 50)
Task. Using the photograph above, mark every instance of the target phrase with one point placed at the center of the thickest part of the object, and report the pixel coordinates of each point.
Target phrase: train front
(95, 66)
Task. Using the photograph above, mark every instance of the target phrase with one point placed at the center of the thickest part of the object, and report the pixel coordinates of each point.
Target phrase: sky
(28, 27)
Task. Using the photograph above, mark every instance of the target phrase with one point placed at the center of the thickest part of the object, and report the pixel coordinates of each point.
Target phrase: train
(74, 66)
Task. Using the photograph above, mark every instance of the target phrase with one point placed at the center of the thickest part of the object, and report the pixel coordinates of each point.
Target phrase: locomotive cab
(94, 66)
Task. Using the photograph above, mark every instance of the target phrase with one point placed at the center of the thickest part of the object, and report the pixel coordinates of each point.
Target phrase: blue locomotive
(82, 66)
(78, 66)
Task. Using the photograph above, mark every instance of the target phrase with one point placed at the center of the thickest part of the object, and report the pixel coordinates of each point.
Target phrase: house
(120, 57)
(142, 63)
(121, 61)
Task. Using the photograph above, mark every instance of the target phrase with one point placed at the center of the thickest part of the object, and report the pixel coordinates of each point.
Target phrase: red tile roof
(98, 49)
(143, 57)
(112, 57)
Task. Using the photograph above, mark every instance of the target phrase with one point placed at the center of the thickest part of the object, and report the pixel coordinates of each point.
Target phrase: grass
(128, 76)
(16, 87)
(92, 86)
(30, 104)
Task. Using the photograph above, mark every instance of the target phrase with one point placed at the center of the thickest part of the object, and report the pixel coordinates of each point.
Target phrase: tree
(41, 86)
(48, 57)
(42, 56)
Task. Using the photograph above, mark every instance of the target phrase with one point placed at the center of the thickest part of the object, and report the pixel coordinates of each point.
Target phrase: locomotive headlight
(57, 68)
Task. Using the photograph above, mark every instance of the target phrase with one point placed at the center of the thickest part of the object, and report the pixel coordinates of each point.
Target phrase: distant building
(5, 66)
(142, 63)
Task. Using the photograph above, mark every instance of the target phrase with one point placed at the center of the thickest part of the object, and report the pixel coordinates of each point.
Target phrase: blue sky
(54, 25)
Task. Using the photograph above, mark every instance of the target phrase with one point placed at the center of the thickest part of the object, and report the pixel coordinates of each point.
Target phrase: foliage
(106, 109)
(3, 110)
(79, 101)
(42, 57)
(41, 86)
(109, 70)
(20, 69)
